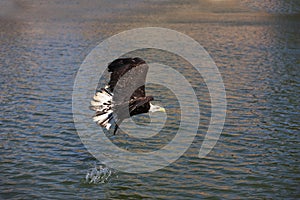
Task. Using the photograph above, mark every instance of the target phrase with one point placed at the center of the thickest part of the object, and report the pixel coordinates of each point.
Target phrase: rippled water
(256, 47)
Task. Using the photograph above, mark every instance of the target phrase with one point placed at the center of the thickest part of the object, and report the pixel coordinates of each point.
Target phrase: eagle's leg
(116, 128)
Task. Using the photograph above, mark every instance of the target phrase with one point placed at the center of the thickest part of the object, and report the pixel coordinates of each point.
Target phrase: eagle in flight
(124, 95)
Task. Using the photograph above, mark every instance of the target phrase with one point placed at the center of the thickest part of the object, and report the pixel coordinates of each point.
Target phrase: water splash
(98, 174)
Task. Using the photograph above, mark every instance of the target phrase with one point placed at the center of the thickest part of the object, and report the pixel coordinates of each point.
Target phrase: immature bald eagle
(124, 96)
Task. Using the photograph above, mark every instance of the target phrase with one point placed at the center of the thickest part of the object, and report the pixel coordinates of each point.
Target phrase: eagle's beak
(161, 109)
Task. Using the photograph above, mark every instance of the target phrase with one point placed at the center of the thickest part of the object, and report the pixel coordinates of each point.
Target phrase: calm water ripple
(256, 47)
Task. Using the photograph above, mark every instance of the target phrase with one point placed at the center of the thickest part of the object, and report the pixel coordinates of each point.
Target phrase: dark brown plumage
(124, 96)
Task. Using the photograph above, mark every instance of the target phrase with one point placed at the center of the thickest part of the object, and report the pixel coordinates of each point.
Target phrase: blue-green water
(256, 47)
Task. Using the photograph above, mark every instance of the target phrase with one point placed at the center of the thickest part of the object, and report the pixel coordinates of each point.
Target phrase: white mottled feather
(96, 103)
(102, 103)
(103, 117)
(102, 97)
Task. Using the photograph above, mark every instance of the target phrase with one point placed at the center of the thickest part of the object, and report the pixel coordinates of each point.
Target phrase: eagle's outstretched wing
(127, 79)
(124, 95)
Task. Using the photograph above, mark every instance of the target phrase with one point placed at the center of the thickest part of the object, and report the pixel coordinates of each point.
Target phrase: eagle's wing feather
(126, 95)
(127, 80)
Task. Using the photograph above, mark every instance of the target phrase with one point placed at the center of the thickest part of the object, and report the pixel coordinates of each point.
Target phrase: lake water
(256, 47)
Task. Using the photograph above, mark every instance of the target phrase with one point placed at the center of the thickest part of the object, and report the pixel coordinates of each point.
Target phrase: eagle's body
(124, 96)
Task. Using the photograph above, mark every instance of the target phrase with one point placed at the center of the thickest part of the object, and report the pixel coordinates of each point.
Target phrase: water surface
(256, 47)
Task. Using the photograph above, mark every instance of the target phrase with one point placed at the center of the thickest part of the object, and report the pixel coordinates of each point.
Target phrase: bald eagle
(124, 95)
